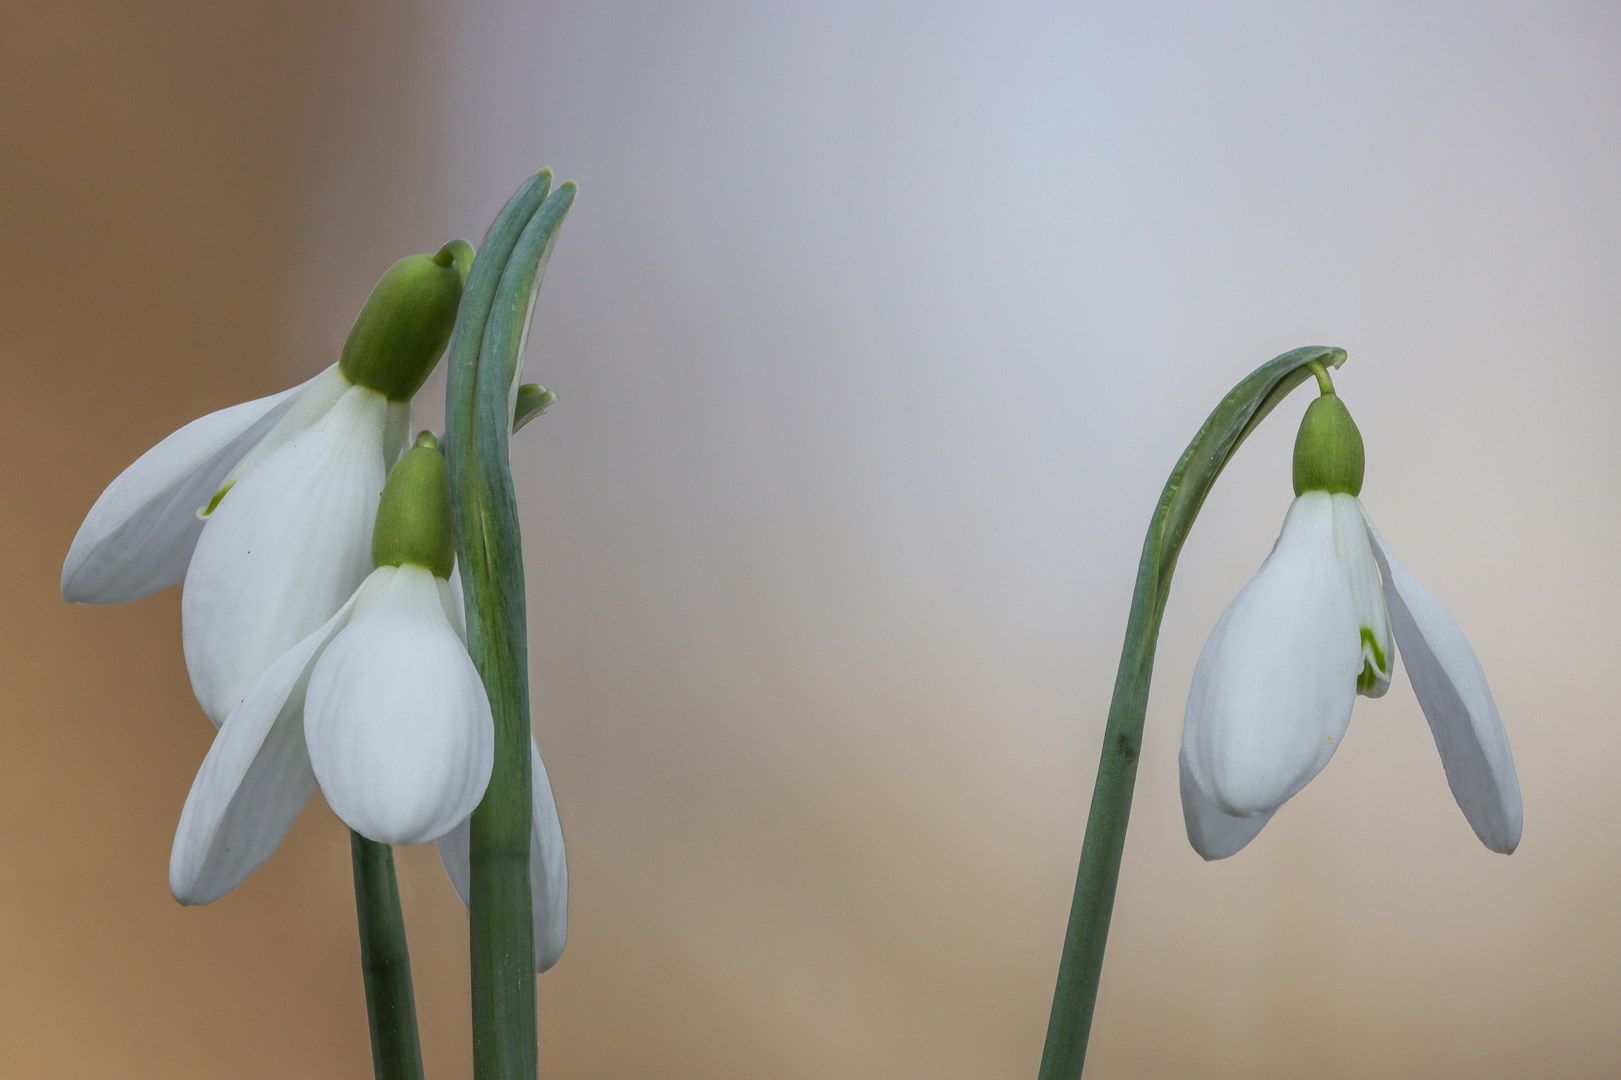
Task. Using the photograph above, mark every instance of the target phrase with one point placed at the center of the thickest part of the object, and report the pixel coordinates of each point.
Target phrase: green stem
(485, 354)
(1082, 961)
(396, 1052)
(1325, 385)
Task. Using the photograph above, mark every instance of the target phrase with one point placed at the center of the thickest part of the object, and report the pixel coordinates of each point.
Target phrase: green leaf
(486, 351)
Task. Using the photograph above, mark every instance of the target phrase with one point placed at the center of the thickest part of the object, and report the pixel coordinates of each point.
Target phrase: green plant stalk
(486, 349)
(385, 962)
(1190, 482)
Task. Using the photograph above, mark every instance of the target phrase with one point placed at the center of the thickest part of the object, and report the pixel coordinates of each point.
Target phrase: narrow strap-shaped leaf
(491, 331)
(1190, 482)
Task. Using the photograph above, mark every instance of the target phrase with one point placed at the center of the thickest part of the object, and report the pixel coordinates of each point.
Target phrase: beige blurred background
(876, 330)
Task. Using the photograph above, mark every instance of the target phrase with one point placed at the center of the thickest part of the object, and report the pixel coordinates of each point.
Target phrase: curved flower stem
(1325, 383)
(1227, 427)
(396, 1052)
(485, 354)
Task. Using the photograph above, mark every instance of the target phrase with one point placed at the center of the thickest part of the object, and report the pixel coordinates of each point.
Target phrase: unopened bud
(533, 399)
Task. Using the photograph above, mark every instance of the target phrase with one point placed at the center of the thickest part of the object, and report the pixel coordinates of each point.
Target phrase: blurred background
(876, 328)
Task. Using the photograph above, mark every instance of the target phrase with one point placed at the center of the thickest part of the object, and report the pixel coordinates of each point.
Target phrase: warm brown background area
(146, 157)
(876, 329)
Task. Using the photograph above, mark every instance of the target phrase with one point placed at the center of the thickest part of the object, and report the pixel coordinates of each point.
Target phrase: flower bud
(405, 324)
(533, 399)
(413, 515)
(1328, 450)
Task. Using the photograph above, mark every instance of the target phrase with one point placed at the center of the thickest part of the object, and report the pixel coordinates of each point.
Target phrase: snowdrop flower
(382, 708)
(266, 508)
(1320, 623)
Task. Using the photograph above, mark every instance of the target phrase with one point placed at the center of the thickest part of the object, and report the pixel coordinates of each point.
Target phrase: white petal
(397, 722)
(1273, 689)
(548, 866)
(1451, 688)
(283, 550)
(1373, 621)
(1214, 834)
(450, 595)
(254, 781)
(138, 537)
(314, 401)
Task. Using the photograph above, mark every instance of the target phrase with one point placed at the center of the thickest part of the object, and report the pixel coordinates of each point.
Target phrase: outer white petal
(315, 400)
(254, 781)
(548, 866)
(283, 550)
(1273, 689)
(138, 537)
(1214, 834)
(1373, 621)
(397, 722)
(1451, 689)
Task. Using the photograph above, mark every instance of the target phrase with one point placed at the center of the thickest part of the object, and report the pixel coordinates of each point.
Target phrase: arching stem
(1081, 964)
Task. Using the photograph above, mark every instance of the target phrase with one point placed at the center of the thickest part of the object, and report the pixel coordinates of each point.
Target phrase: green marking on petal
(1374, 667)
(215, 501)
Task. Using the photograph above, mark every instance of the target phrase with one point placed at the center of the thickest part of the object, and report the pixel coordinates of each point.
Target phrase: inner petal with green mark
(1374, 667)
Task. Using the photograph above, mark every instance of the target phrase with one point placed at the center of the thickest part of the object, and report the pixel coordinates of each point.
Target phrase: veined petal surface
(397, 722)
(283, 550)
(1213, 833)
(548, 865)
(1451, 688)
(254, 781)
(1274, 685)
(139, 535)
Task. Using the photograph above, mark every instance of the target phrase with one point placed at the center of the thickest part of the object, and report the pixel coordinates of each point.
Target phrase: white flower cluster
(319, 669)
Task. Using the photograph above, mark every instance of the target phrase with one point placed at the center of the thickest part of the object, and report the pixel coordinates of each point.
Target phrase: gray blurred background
(876, 330)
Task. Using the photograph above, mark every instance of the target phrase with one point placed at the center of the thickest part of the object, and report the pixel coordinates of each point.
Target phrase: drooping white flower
(1321, 622)
(382, 709)
(266, 508)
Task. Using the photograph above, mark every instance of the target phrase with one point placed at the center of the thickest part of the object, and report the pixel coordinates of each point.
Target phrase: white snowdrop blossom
(1320, 623)
(382, 709)
(266, 509)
